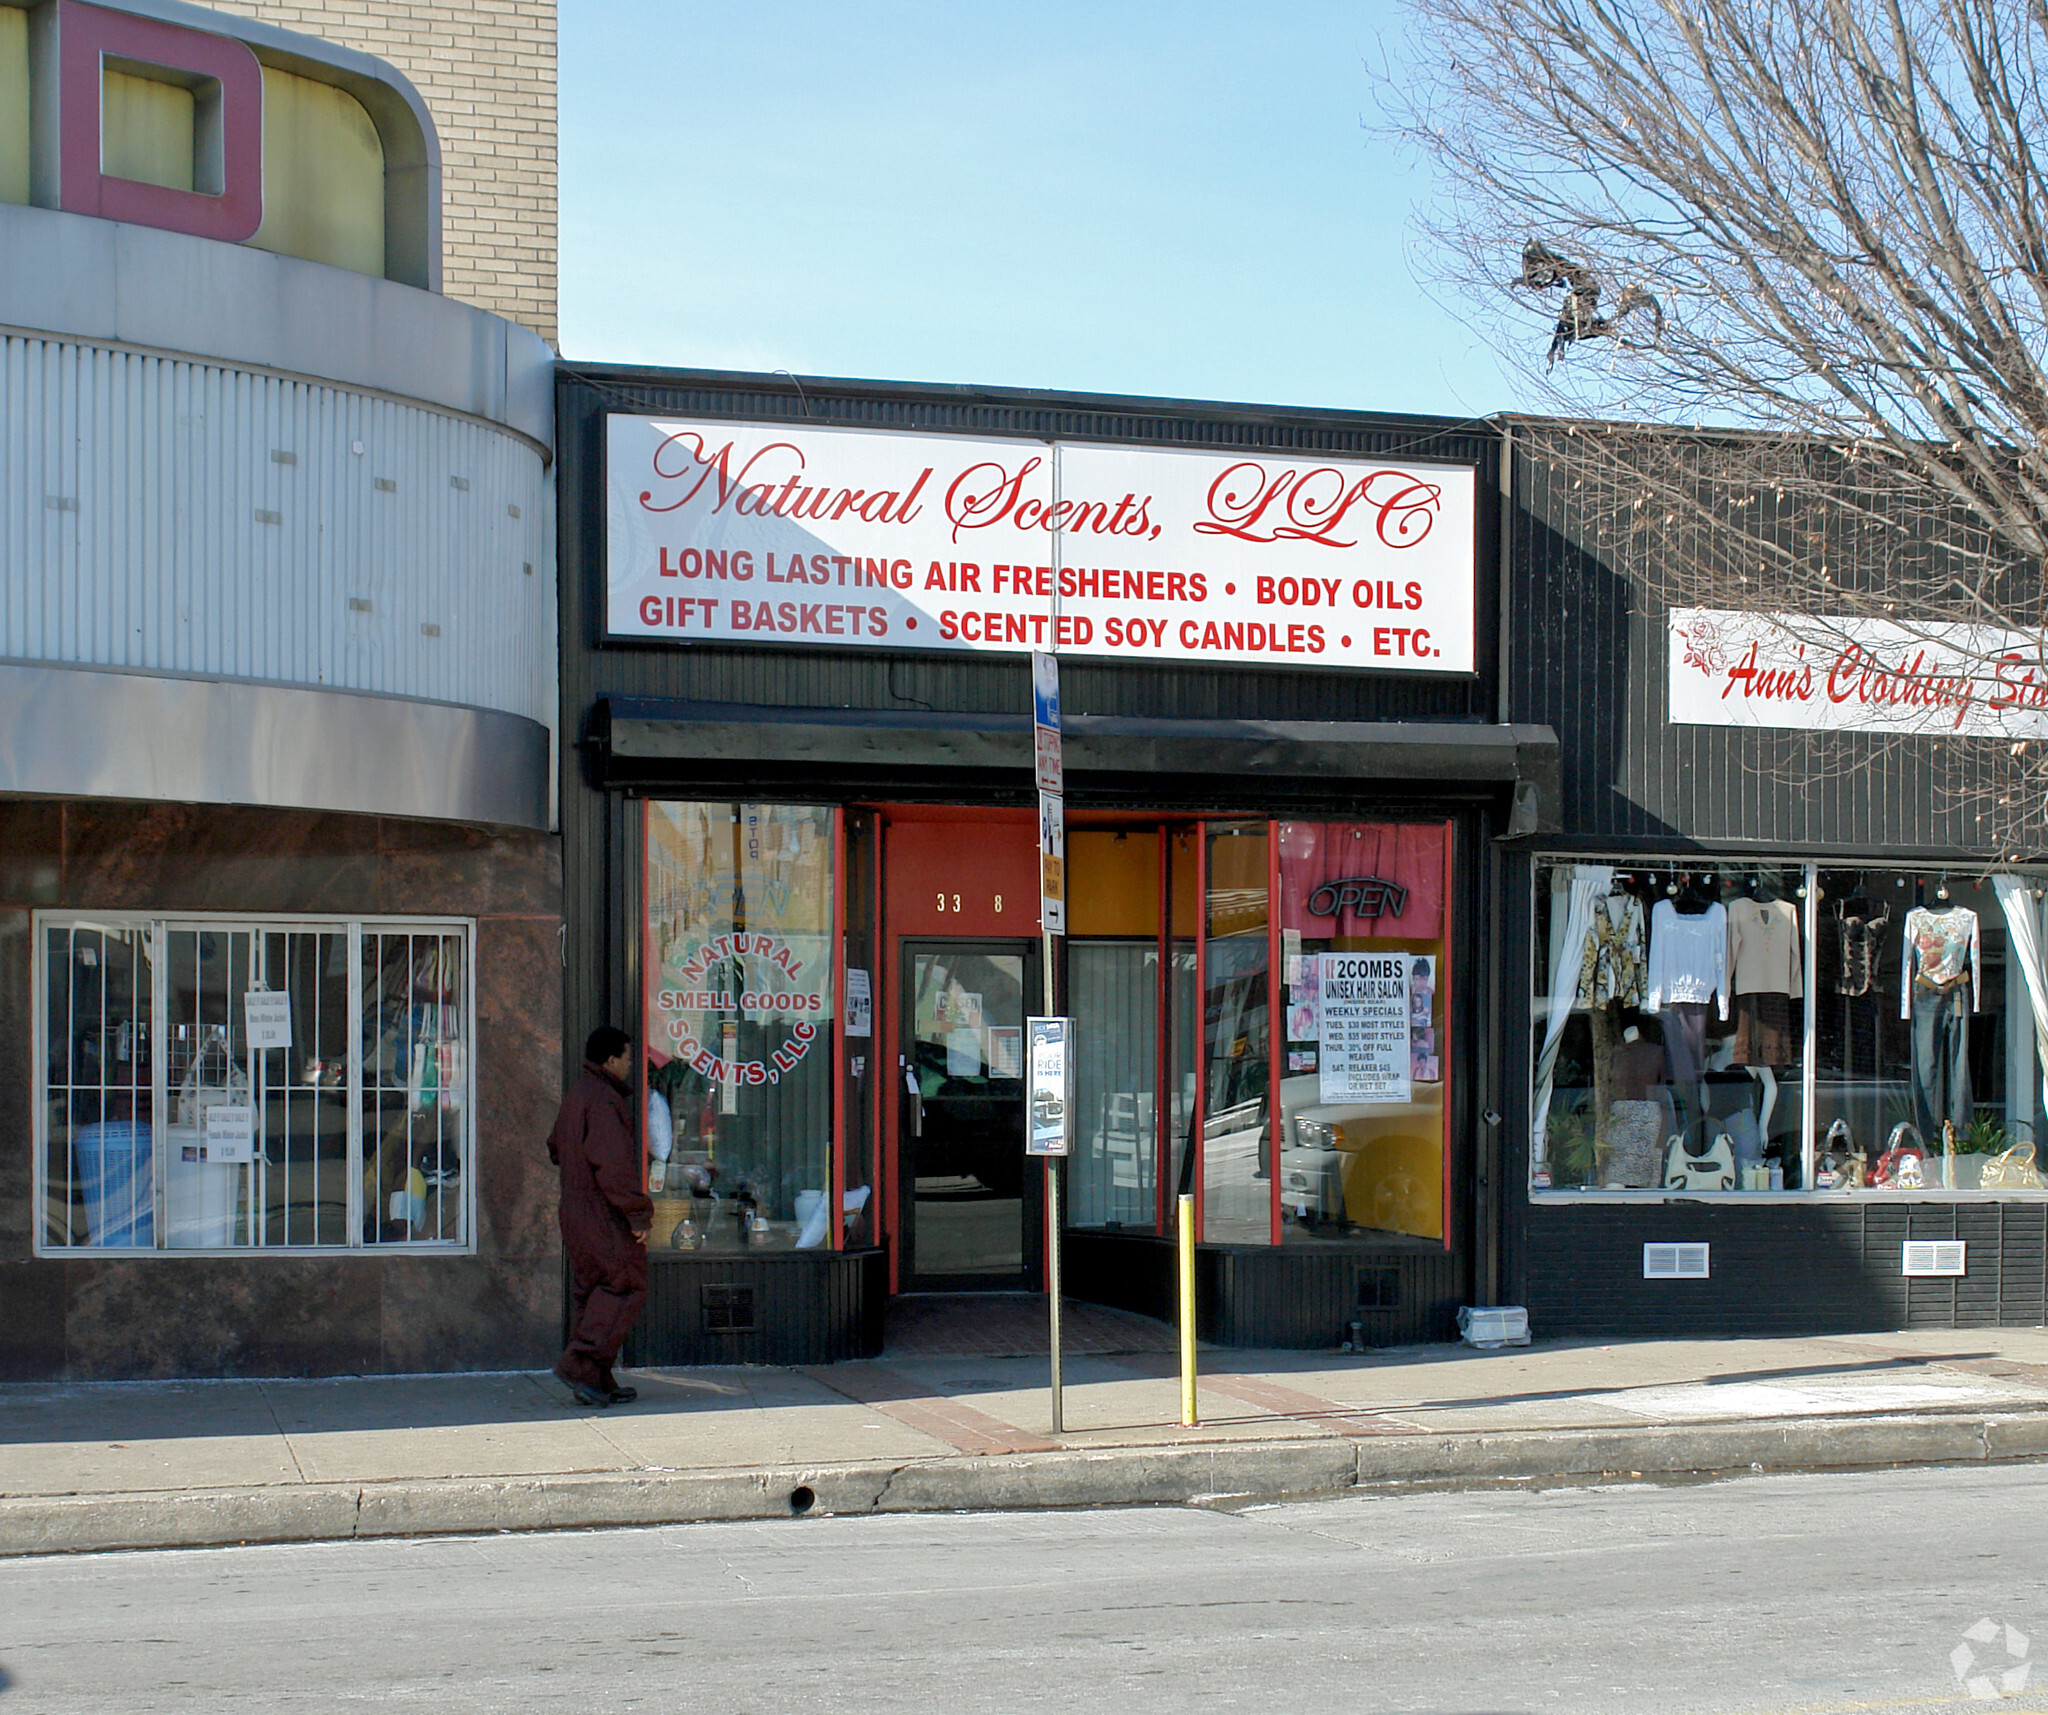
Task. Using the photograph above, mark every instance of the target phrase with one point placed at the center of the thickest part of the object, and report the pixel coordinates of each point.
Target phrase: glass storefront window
(1926, 1065)
(1289, 967)
(1362, 934)
(1732, 1028)
(212, 1085)
(1237, 1169)
(1113, 982)
(740, 1004)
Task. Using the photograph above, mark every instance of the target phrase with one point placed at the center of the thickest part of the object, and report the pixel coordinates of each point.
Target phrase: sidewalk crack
(291, 1452)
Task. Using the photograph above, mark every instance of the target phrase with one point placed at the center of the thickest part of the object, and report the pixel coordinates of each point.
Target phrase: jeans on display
(1941, 1062)
(1685, 1040)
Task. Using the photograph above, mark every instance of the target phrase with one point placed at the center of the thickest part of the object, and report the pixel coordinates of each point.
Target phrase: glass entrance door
(971, 1211)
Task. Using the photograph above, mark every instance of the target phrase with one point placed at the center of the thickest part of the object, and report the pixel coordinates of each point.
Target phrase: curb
(1069, 1478)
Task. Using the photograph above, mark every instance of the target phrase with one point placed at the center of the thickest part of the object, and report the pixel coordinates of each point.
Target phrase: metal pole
(1186, 1297)
(1052, 1220)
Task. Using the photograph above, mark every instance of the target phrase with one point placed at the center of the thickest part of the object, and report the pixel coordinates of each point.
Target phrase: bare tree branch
(1840, 210)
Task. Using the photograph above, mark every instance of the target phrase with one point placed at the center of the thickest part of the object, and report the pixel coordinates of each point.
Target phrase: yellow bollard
(1187, 1311)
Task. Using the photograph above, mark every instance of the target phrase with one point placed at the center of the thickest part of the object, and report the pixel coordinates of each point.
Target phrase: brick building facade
(487, 72)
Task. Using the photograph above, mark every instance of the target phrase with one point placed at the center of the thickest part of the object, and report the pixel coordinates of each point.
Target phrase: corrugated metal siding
(146, 522)
(1587, 658)
(816, 1309)
(1302, 1297)
(849, 679)
(1783, 1269)
(596, 845)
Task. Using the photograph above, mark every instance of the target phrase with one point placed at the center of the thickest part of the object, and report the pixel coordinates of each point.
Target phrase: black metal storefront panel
(1832, 1267)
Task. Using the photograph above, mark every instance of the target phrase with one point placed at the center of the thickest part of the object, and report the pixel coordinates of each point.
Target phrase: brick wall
(486, 69)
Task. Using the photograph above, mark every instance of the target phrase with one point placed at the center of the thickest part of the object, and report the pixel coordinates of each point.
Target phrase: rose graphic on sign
(1702, 638)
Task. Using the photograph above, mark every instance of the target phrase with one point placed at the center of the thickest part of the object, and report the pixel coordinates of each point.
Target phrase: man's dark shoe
(619, 1395)
(595, 1398)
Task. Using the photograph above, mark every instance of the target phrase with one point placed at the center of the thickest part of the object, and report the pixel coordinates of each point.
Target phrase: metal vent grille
(728, 1309)
(1932, 1256)
(1674, 1262)
(1379, 1289)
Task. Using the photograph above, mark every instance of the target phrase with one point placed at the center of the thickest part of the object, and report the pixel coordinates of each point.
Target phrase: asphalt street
(1806, 1593)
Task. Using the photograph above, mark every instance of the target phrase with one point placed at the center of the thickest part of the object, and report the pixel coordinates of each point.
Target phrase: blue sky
(1128, 196)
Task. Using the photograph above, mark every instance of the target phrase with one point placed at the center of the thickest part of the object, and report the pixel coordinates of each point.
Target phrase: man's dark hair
(604, 1043)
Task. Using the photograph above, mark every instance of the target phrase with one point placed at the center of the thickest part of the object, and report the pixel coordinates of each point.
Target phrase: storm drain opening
(801, 1500)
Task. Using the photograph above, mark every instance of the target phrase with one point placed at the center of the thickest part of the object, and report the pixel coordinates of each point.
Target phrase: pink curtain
(1328, 872)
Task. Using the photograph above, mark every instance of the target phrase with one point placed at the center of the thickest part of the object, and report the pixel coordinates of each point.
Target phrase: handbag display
(2012, 1170)
(1903, 1166)
(1712, 1169)
(1838, 1166)
(212, 1080)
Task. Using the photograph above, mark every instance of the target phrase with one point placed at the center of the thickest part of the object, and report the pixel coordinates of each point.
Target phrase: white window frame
(157, 924)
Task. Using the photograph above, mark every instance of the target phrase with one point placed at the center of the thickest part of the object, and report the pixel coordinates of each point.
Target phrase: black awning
(641, 740)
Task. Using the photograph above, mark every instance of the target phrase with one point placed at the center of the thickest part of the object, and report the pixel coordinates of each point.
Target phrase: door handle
(916, 1103)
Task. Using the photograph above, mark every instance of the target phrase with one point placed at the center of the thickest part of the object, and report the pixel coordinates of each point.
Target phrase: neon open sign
(1362, 896)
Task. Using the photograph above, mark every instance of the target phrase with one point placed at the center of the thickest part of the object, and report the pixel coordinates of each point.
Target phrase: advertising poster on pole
(1045, 722)
(1048, 1125)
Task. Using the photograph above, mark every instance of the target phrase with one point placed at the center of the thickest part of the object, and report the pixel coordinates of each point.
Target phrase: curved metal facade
(171, 515)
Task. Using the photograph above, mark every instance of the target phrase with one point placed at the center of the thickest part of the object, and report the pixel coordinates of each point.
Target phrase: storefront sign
(843, 538)
(1855, 675)
(1048, 1121)
(1365, 1005)
(740, 1007)
(1363, 896)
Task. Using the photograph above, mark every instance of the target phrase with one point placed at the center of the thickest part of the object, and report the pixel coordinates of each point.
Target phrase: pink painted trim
(87, 36)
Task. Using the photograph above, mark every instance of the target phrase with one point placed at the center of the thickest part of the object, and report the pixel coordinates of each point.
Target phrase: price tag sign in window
(230, 1132)
(267, 1017)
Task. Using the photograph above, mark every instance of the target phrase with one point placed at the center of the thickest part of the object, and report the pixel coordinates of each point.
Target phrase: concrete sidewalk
(164, 1464)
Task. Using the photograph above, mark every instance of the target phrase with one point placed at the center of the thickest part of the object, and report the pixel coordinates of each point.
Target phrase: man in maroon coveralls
(605, 1216)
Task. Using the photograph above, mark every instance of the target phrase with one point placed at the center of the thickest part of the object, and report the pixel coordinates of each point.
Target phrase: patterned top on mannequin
(1943, 951)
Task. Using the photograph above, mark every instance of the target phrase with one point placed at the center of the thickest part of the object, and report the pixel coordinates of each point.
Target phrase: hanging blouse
(1688, 957)
(1612, 973)
(1942, 953)
(1763, 947)
(1859, 942)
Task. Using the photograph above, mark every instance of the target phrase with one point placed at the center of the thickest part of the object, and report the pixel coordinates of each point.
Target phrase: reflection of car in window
(972, 1126)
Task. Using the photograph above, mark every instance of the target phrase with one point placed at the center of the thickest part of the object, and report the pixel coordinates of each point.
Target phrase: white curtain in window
(2023, 925)
(1588, 881)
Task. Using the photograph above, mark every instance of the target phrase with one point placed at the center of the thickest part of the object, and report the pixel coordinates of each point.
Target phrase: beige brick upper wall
(486, 69)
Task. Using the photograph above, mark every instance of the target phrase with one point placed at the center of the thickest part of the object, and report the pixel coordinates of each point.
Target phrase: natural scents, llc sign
(845, 538)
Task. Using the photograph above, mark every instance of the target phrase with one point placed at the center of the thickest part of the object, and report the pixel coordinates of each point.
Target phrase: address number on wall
(949, 904)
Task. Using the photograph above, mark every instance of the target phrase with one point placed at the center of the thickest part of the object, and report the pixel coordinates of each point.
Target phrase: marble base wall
(92, 1318)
